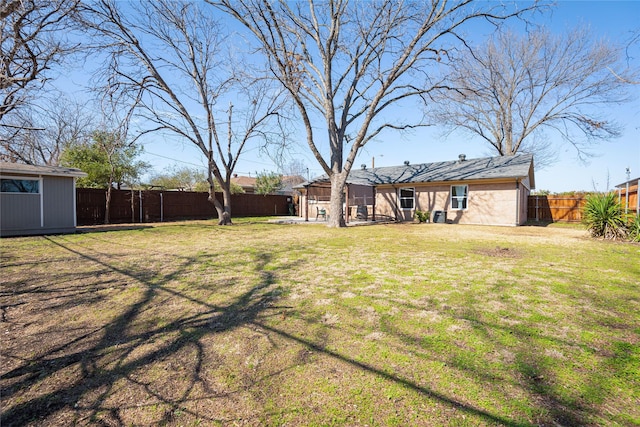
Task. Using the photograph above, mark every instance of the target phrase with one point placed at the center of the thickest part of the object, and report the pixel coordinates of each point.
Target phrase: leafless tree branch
(510, 90)
(167, 62)
(345, 63)
(32, 41)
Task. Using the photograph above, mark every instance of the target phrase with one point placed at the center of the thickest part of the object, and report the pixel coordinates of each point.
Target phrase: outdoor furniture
(321, 212)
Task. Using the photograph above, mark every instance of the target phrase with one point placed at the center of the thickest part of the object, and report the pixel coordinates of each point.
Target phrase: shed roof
(502, 167)
(17, 168)
(634, 181)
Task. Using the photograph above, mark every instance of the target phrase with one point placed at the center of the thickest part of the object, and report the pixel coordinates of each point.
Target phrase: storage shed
(37, 199)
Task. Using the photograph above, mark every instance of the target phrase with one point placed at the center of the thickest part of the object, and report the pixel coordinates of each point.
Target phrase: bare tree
(168, 61)
(515, 87)
(31, 40)
(42, 132)
(295, 167)
(632, 43)
(346, 64)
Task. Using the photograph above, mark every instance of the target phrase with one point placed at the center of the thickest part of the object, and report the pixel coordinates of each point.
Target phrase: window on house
(10, 185)
(459, 195)
(407, 198)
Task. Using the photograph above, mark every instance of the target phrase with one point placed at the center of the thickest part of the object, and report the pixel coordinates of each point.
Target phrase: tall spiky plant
(634, 227)
(603, 216)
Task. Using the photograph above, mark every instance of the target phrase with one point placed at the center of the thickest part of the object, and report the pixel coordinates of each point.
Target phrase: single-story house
(490, 191)
(247, 183)
(37, 199)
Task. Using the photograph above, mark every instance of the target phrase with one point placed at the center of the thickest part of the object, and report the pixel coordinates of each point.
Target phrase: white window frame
(412, 198)
(461, 201)
(23, 178)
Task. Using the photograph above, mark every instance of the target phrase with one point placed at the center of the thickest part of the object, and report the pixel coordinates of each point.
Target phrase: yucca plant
(634, 227)
(603, 216)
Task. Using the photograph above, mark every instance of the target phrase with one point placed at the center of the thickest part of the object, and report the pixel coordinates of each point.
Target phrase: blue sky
(614, 20)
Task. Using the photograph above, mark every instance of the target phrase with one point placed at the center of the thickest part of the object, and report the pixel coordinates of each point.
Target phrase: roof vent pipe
(462, 157)
(406, 162)
(363, 166)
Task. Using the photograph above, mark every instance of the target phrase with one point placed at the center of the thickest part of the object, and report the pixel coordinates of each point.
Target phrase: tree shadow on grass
(551, 403)
(128, 346)
(119, 349)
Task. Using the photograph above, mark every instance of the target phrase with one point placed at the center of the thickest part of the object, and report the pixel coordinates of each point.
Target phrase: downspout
(517, 201)
(373, 209)
(306, 202)
(75, 212)
(41, 185)
(161, 208)
(346, 204)
(140, 196)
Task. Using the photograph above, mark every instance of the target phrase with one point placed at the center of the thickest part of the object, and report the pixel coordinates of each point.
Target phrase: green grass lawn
(263, 324)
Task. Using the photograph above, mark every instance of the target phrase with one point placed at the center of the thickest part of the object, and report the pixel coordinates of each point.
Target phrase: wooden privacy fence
(569, 209)
(156, 206)
(555, 208)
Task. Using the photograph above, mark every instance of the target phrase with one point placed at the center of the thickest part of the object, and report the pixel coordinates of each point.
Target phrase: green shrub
(423, 216)
(634, 228)
(603, 216)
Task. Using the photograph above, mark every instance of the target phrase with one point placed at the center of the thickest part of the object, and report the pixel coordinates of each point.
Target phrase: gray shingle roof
(18, 168)
(518, 166)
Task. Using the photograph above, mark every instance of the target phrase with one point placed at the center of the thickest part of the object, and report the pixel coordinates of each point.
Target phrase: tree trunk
(223, 211)
(107, 205)
(336, 204)
(225, 217)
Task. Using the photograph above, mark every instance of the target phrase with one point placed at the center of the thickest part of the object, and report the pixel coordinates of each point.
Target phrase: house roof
(18, 168)
(502, 167)
(244, 181)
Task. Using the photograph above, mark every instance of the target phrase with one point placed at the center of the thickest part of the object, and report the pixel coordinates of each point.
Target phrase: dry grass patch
(263, 324)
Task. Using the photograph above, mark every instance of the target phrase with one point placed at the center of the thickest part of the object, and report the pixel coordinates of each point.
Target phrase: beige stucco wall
(488, 203)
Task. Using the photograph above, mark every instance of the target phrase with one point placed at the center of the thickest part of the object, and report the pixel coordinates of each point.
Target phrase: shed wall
(58, 202)
(19, 212)
(52, 211)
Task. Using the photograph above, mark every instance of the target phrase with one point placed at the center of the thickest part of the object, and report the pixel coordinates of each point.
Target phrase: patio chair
(321, 212)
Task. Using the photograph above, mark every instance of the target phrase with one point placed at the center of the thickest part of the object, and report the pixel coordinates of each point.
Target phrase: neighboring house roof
(244, 181)
(502, 167)
(17, 168)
